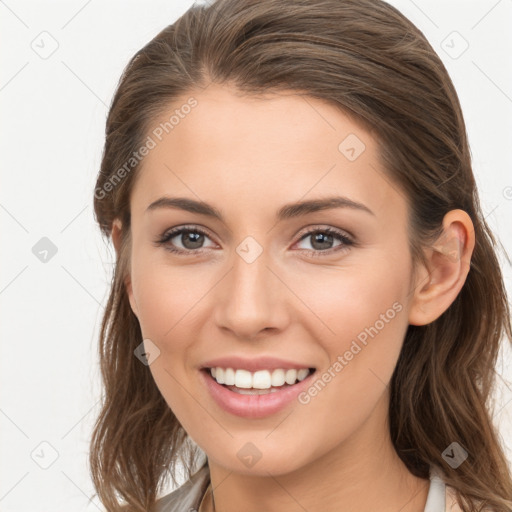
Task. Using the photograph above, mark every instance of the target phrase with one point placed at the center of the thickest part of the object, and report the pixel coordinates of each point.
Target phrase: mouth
(261, 382)
(258, 394)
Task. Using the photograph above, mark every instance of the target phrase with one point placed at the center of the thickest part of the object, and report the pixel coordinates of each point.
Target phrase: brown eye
(323, 241)
(190, 239)
(183, 240)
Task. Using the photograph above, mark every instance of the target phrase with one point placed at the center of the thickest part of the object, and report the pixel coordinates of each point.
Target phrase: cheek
(361, 359)
(360, 320)
(352, 303)
(166, 296)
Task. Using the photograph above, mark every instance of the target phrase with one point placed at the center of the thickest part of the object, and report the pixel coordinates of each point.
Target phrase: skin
(248, 157)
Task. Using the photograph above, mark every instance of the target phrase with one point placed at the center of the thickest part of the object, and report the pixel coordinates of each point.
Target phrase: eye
(191, 239)
(322, 241)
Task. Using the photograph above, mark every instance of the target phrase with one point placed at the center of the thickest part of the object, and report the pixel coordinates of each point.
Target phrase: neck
(360, 474)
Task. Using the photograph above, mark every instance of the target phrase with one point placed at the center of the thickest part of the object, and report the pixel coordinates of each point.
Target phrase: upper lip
(254, 364)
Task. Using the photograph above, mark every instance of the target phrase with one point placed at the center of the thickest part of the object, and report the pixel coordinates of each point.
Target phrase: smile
(255, 394)
(259, 382)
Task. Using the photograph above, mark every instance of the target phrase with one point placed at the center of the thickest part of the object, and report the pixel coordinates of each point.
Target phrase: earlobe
(449, 262)
(131, 298)
(116, 235)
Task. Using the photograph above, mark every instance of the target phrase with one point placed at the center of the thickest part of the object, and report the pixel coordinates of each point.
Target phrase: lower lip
(253, 406)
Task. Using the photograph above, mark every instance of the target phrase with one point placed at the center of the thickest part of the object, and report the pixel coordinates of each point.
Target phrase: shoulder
(188, 496)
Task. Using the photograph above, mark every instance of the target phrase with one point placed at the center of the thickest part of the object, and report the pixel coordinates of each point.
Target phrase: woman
(305, 290)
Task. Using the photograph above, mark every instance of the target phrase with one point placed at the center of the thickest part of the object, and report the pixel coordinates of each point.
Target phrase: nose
(251, 299)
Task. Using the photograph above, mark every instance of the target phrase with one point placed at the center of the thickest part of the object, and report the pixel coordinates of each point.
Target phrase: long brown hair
(366, 58)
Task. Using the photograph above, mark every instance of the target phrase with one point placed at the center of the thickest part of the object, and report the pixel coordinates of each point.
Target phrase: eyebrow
(288, 211)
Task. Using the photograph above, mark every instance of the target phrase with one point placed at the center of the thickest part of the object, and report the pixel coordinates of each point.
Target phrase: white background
(53, 117)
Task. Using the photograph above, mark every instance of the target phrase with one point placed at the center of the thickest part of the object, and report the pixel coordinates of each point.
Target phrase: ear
(448, 264)
(117, 233)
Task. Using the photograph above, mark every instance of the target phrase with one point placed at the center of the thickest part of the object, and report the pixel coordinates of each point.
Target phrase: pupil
(195, 238)
(323, 239)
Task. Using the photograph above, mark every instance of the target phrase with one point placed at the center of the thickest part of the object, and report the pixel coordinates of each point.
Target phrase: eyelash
(166, 237)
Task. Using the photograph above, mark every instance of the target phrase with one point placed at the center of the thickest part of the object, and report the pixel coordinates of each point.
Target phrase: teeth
(262, 379)
(278, 378)
(302, 373)
(229, 377)
(290, 376)
(243, 379)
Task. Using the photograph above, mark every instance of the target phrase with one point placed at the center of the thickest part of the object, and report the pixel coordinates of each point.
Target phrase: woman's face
(265, 287)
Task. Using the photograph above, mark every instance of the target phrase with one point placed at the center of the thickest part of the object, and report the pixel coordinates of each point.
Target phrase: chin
(253, 459)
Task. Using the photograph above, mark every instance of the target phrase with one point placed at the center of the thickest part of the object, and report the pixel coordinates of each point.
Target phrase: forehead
(235, 150)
